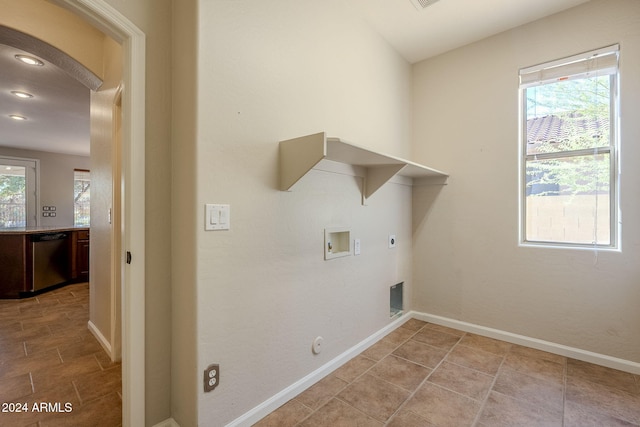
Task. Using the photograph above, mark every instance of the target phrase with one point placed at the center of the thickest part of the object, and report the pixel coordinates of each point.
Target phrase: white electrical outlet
(356, 247)
(211, 377)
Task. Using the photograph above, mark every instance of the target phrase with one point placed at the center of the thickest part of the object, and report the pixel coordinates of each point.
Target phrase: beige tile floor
(427, 375)
(47, 355)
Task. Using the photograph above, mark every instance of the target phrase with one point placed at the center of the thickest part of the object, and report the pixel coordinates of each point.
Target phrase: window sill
(580, 247)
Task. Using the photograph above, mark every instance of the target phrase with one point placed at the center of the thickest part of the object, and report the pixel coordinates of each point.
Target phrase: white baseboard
(101, 339)
(167, 423)
(270, 405)
(563, 350)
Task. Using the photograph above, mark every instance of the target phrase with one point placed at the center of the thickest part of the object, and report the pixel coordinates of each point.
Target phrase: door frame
(116, 215)
(132, 234)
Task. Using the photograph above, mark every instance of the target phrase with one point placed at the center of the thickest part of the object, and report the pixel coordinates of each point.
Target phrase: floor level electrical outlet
(211, 377)
(317, 345)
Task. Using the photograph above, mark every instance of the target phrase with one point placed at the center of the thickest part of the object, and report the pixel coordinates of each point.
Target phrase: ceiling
(58, 114)
(448, 24)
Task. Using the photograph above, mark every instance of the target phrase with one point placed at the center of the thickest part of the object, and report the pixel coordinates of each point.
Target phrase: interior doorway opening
(130, 231)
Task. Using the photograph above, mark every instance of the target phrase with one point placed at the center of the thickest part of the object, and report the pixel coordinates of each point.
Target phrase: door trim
(111, 22)
(116, 223)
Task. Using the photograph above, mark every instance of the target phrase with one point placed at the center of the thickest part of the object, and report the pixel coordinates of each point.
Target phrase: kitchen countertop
(41, 229)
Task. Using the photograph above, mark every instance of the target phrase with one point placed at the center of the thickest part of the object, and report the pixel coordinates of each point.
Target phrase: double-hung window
(569, 171)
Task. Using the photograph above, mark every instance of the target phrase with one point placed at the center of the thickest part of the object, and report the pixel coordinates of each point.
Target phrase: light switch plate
(217, 217)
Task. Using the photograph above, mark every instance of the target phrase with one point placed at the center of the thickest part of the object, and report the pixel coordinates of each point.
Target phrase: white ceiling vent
(422, 4)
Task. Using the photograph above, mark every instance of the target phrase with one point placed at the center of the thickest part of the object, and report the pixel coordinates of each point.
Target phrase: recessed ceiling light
(17, 117)
(29, 60)
(21, 94)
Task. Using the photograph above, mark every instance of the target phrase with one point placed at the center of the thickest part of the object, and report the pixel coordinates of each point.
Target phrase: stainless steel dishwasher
(50, 259)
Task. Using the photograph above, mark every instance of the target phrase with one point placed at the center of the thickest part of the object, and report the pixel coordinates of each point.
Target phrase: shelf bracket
(377, 176)
(298, 156)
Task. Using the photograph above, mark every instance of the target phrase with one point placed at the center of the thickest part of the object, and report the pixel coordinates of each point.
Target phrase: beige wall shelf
(299, 155)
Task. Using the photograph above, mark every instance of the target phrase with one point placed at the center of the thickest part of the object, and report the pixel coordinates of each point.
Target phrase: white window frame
(32, 171)
(601, 60)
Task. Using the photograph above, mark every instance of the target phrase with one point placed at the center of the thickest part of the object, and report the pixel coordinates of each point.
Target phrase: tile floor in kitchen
(48, 356)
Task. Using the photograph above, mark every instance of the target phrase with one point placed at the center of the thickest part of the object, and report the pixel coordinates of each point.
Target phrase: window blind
(602, 61)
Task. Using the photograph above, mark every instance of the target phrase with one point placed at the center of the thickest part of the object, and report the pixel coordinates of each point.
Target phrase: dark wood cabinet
(15, 256)
(80, 255)
(24, 274)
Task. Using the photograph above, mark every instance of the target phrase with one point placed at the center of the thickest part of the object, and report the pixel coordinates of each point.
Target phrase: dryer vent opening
(396, 299)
